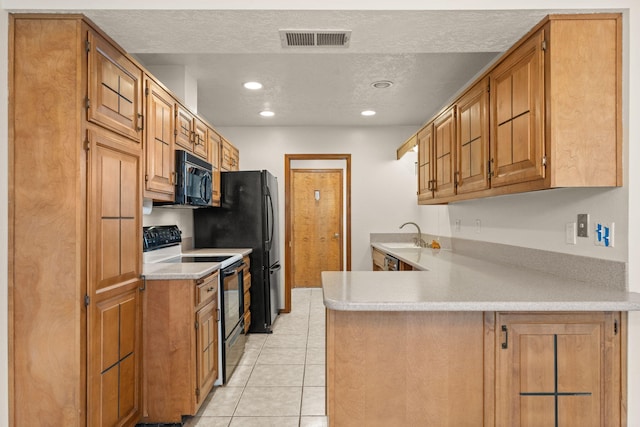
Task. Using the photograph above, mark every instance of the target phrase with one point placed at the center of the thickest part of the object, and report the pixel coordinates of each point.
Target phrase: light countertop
(189, 270)
(452, 282)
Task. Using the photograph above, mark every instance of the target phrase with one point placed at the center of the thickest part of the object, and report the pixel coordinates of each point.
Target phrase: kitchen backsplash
(166, 215)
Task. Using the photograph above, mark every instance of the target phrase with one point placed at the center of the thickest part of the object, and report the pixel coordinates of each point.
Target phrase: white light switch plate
(570, 233)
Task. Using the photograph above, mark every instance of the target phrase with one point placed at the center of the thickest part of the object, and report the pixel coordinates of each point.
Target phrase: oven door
(232, 288)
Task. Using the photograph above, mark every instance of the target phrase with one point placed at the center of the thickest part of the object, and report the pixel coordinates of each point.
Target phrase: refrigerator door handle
(275, 268)
(273, 220)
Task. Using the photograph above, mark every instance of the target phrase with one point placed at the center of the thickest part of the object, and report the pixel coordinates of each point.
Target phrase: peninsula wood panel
(405, 368)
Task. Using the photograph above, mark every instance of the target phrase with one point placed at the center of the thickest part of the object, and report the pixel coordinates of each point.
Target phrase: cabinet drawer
(247, 301)
(206, 289)
(247, 321)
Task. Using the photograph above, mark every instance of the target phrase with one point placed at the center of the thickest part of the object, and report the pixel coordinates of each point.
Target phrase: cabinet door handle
(505, 343)
(140, 122)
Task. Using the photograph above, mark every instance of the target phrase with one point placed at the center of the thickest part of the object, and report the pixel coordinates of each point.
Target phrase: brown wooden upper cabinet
(191, 133)
(517, 150)
(425, 163)
(472, 139)
(551, 117)
(115, 89)
(444, 154)
(184, 131)
(159, 148)
(230, 160)
(214, 159)
(200, 139)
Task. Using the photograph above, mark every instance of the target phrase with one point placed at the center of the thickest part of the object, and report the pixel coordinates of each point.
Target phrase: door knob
(336, 235)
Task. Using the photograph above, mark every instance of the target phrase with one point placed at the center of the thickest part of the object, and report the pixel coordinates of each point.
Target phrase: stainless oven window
(232, 282)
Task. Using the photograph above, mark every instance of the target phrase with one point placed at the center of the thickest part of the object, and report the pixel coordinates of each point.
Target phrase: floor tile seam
(244, 387)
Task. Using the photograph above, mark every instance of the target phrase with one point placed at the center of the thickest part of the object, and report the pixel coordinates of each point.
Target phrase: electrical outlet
(458, 222)
(604, 234)
(570, 233)
(478, 226)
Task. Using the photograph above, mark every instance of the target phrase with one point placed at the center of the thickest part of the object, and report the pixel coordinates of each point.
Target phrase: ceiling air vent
(315, 38)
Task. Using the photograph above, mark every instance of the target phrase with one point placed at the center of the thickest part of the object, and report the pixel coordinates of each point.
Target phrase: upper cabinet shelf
(547, 114)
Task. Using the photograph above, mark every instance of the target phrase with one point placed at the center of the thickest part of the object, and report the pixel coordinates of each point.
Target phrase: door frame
(288, 253)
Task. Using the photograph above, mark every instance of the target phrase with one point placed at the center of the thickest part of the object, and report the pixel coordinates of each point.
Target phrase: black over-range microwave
(193, 180)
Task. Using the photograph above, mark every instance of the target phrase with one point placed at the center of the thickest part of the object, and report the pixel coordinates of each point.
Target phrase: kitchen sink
(400, 245)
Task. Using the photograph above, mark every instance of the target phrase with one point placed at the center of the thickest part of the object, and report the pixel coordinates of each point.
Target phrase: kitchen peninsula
(473, 342)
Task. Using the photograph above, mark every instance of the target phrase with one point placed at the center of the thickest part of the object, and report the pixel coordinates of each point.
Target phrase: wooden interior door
(317, 236)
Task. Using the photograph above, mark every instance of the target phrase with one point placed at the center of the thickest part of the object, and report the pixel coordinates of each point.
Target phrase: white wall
(382, 189)
(179, 81)
(537, 219)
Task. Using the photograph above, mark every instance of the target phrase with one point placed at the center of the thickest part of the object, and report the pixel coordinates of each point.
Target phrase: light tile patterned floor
(281, 378)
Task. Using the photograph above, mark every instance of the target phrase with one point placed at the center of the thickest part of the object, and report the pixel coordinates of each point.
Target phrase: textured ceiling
(429, 55)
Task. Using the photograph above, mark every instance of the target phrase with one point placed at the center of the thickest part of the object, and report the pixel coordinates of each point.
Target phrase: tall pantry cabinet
(75, 198)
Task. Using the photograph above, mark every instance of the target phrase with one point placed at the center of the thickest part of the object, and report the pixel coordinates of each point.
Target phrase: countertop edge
(483, 306)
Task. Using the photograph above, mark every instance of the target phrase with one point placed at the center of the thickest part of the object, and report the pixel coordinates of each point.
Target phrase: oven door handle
(233, 272)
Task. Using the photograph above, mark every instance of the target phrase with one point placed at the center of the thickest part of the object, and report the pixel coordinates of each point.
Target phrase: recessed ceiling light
(368, 113)
(253, 85)
(382, 84)
(267, 113)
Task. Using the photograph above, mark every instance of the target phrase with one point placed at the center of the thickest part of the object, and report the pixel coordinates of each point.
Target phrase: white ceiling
(429, 55)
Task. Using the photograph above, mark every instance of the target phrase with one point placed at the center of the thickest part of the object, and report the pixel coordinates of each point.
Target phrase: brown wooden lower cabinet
(181, 346)
(558, 369)
(247, 294)
(465, 369)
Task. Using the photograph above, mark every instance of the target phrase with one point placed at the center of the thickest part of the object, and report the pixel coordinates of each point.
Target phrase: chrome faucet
(417, 240)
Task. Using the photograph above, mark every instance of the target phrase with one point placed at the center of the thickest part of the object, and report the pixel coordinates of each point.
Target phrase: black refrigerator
(248, 218)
